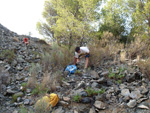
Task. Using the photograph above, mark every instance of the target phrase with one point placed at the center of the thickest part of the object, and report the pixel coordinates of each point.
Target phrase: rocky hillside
(112, 87)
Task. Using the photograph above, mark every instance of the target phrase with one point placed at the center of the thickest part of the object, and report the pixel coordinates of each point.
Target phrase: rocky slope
(113, 87)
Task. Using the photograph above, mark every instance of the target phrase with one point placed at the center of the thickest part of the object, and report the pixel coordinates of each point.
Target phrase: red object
(25, 40)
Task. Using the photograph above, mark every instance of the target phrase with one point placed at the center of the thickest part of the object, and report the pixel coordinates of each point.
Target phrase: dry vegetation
(106, 48)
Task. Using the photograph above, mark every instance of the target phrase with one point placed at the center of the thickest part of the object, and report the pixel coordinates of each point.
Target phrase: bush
(139, 47)
(144, 67)
(34, 70)
(41, 107)
(105, 48)
(59, 58)
(77, 98)
(39, 90)
(50, 80)
(92, 92)
(8, 54)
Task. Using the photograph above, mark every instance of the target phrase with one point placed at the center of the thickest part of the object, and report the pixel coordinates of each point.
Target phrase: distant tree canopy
(71, 21)
(67, 20)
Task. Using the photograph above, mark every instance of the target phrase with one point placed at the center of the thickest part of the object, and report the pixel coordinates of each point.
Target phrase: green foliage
(77, 72)
(113, 18)
(118, 75)
(77, 98)
(39, 90)
(23, 109)
(68, 20)
(59, 57)
(8, 54)
(42, 107)
(92, 92)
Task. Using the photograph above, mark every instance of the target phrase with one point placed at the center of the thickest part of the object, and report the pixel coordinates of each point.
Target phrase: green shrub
(23, 109)
(58, 58)
(77, 98)
(118, 75)
(39, 90)
(92, 92)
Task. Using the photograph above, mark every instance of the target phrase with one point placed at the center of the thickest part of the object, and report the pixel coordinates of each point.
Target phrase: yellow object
(48, 101)
(53, 99)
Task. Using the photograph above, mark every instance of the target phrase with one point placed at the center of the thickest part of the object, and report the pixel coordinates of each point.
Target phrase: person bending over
(82, 52)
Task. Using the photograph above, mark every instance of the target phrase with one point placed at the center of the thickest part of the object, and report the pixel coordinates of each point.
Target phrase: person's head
(77, 49)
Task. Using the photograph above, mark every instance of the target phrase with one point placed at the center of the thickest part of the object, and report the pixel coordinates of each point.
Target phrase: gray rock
(86, 100)
(9, 91)
(26, 102)
(131, 103)
(59, 110)
(94, 75)
(99, 105)
(135, 94)
(80, 85)
(102, 80)
(143, 107)
(104, 73)
(83, 94)
(67, 99)
(92, 110)
(95, 85)
(125, 92)
(63, 103)
(144, 90)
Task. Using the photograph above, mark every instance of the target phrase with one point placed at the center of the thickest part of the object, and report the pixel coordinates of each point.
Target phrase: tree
(140, 17)
(68, 20)
(113, 18)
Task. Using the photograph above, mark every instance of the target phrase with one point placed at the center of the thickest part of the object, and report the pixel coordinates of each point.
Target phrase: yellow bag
(53, 99)
(48, 101)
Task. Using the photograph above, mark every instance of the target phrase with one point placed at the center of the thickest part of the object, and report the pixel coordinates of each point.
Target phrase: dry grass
(58, 58)
(123, 56)
(34, 70)
(106, 48)
(139, 47)
(50, 80)
(15, 39)
(145, 67)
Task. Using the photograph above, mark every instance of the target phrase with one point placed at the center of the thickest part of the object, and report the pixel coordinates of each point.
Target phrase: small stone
(15, 111)
(65, 83)
(75, 111)
(80, 85)
(26, 102)
(83, 94)
(131, 103)
(92, 110)
(135, 94)
(95, 85)
(104, 73)
(125, 92)
(67, 99)
(86, 100)
(59, 110)
(63, 103)
(94, 75)
(143, 107)
(28, 90)
(101, 80)
(99, 105)
(9, 91)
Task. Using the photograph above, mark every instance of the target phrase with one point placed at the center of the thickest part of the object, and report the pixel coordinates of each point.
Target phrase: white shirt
(83, 50)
